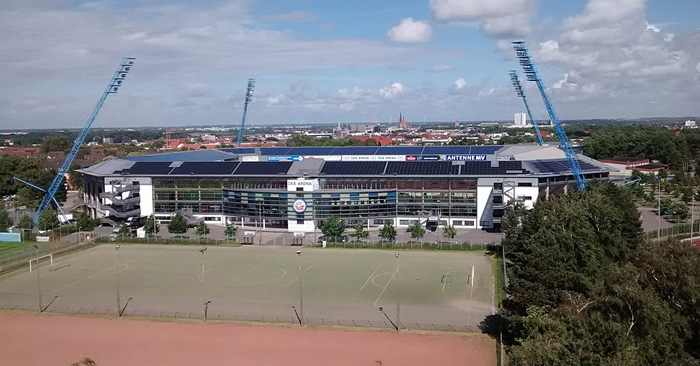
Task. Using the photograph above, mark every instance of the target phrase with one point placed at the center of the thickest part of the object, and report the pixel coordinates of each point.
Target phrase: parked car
(340, 239)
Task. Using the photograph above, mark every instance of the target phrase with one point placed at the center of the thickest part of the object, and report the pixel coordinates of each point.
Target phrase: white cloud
(216, 46)
(442, 68)
(391, 92)
(410, 31)
(612, 55)
(497, 18)
(460, 84)
(297, 16)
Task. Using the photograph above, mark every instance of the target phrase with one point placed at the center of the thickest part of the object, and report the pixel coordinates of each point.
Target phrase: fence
(466, 246)
(28, 305)
(20, 255)
(675, 230)
(185, 240)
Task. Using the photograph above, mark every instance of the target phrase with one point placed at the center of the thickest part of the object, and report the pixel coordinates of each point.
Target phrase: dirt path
(47, 340)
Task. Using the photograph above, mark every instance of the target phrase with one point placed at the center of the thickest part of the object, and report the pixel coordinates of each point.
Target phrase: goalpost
(50, 256)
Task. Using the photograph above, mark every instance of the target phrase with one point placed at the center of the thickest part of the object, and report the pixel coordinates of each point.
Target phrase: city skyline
(319, 62)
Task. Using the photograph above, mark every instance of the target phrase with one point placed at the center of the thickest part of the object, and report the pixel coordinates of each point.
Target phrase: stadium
(297, 188)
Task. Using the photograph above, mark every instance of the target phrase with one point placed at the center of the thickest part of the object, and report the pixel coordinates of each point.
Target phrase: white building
(520, 120)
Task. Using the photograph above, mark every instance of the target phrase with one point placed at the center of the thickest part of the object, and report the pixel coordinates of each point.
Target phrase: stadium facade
(298, 188)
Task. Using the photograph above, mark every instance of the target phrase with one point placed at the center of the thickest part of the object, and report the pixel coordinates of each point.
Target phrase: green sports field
(339, 286)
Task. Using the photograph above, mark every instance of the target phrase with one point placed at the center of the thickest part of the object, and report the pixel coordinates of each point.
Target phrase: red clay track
(44, 340)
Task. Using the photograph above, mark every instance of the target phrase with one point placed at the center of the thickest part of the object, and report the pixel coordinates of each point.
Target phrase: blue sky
(350, 61)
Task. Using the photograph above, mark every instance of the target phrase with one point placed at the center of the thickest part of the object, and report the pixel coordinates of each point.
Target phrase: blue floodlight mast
(532, 75)
(112, 88)
(521, 93)
(248, 97)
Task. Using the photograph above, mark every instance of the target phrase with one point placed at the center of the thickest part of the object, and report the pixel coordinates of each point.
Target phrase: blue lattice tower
(532, 75)
(521, 93)
(112, 88)
(248, 98)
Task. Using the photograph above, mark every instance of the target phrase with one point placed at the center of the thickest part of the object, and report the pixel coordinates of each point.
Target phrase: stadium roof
(508, 160)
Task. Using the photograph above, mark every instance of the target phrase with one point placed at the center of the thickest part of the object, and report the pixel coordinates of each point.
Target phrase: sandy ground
(27, 339)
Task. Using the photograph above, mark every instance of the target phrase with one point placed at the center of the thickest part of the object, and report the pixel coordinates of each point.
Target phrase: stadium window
(498, 186)
(524, 184)
(300, 222)
(300, 189)
(497, 199)
(469, 223)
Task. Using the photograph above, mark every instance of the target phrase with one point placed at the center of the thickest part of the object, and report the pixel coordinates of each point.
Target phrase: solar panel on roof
(446, 150)
(484, 149)
(355, 150)
(150, 168)
(310, 151)
(485, 168)
(421, 168)
(274, 150)
(239, 150)
(399, 150)
(560, 166)
(208, 168)
(262, 168)
(353, 167)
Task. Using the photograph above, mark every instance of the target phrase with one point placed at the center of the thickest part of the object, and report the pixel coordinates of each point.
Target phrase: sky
(321, 61)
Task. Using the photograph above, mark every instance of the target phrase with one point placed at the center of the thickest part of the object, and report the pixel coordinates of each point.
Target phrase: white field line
(387, 285)
(297, 277)
(97, 274)
(243, 274)
(370, 277)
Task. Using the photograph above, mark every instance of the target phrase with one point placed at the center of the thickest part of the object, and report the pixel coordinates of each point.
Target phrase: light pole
(301, 297)
(398, 294)
(204, 296)
(116, 272)
(38, 277)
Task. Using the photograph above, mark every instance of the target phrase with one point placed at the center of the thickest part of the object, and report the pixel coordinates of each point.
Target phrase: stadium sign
(429, 157)
(465, 157)
(285, 158)
(373, 157)
(299, 206)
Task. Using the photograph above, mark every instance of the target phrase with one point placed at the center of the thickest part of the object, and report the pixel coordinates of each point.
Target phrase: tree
(417, 231)
(360, 232)
(124, 230)
(231, 230)
(178, 224)
(387, 231)
(55, 143)
(301, 140)
(583, 279)
(151, 226)
(202, 229)
(48, 219)
(25, 222)
(84, 222)
(449, 231)
(5, 219)
(333, 227)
